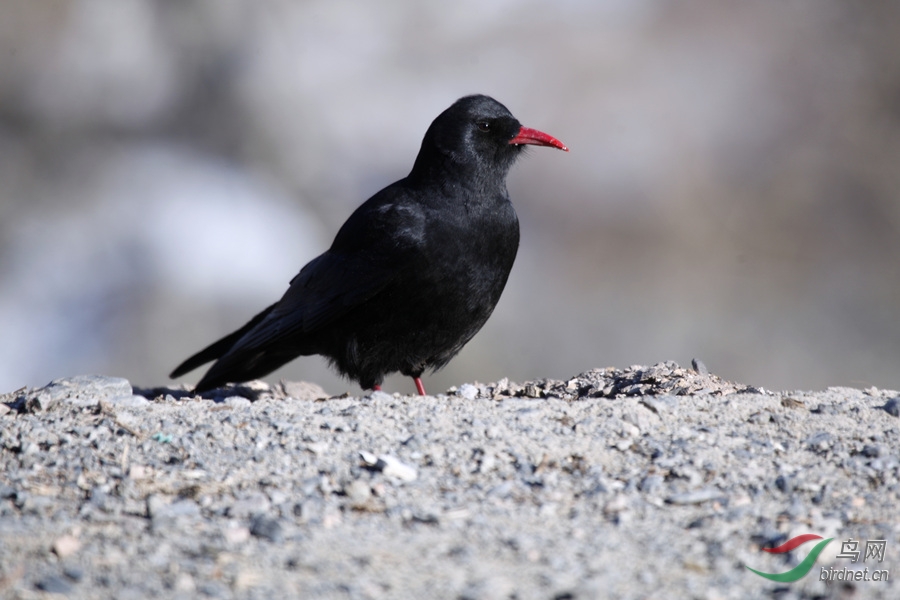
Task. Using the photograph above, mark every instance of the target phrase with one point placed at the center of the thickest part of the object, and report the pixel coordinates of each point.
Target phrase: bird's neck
(431, 171)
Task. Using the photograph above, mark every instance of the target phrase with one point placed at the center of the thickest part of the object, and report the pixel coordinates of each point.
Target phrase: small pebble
(651, 484)
(379, 396)
(267, 528)
(303, 390)
(253, 504)
(66, 545)
(237, 402)
(184, 583)
(870, 451)
(133, 401)
(695, 497)
(54, 584)
(467, 391)
(358, 492)
(138, 472)
(236, 535)
(394, 467)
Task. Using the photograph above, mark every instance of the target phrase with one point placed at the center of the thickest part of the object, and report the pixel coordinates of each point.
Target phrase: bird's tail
(217, 349)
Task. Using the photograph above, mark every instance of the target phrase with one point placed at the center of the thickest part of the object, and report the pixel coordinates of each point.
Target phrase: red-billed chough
(412, 275)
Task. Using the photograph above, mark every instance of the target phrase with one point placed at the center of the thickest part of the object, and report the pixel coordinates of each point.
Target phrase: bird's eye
(483, 126)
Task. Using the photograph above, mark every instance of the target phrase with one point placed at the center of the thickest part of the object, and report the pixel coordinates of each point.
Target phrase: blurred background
(732, 191)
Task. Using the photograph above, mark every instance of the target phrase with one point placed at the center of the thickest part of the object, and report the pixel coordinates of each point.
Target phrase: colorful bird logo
(804, 567)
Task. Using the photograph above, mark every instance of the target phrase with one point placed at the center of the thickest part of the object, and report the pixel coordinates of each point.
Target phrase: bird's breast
(469, 253)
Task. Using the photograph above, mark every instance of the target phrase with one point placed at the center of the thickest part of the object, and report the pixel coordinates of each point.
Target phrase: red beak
(527, 135)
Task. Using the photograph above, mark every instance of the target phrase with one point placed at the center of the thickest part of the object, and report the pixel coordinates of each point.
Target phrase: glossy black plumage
(411, 276)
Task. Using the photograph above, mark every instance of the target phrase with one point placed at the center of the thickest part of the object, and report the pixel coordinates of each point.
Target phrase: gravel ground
(646, 482)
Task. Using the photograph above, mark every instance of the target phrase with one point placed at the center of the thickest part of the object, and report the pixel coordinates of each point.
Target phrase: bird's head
(479, 137)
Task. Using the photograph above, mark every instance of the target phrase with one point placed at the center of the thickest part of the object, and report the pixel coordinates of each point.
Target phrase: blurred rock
(80, 390)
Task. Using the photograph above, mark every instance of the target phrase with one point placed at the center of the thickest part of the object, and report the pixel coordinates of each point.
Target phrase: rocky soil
(646, 482)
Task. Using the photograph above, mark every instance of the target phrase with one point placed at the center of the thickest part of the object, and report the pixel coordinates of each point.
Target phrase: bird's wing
(331, 285)
(371, 251)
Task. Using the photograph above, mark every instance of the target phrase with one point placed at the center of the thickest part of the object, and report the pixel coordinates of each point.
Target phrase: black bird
(412, 275)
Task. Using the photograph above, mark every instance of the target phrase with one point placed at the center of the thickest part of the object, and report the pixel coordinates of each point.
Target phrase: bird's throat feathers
(441, 168)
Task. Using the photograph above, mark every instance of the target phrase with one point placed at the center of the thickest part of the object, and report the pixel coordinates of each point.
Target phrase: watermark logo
(850, 549)
(804, 567)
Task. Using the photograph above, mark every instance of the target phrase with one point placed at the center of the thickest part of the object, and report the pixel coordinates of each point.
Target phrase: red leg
(377, 388)
(419, 387)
